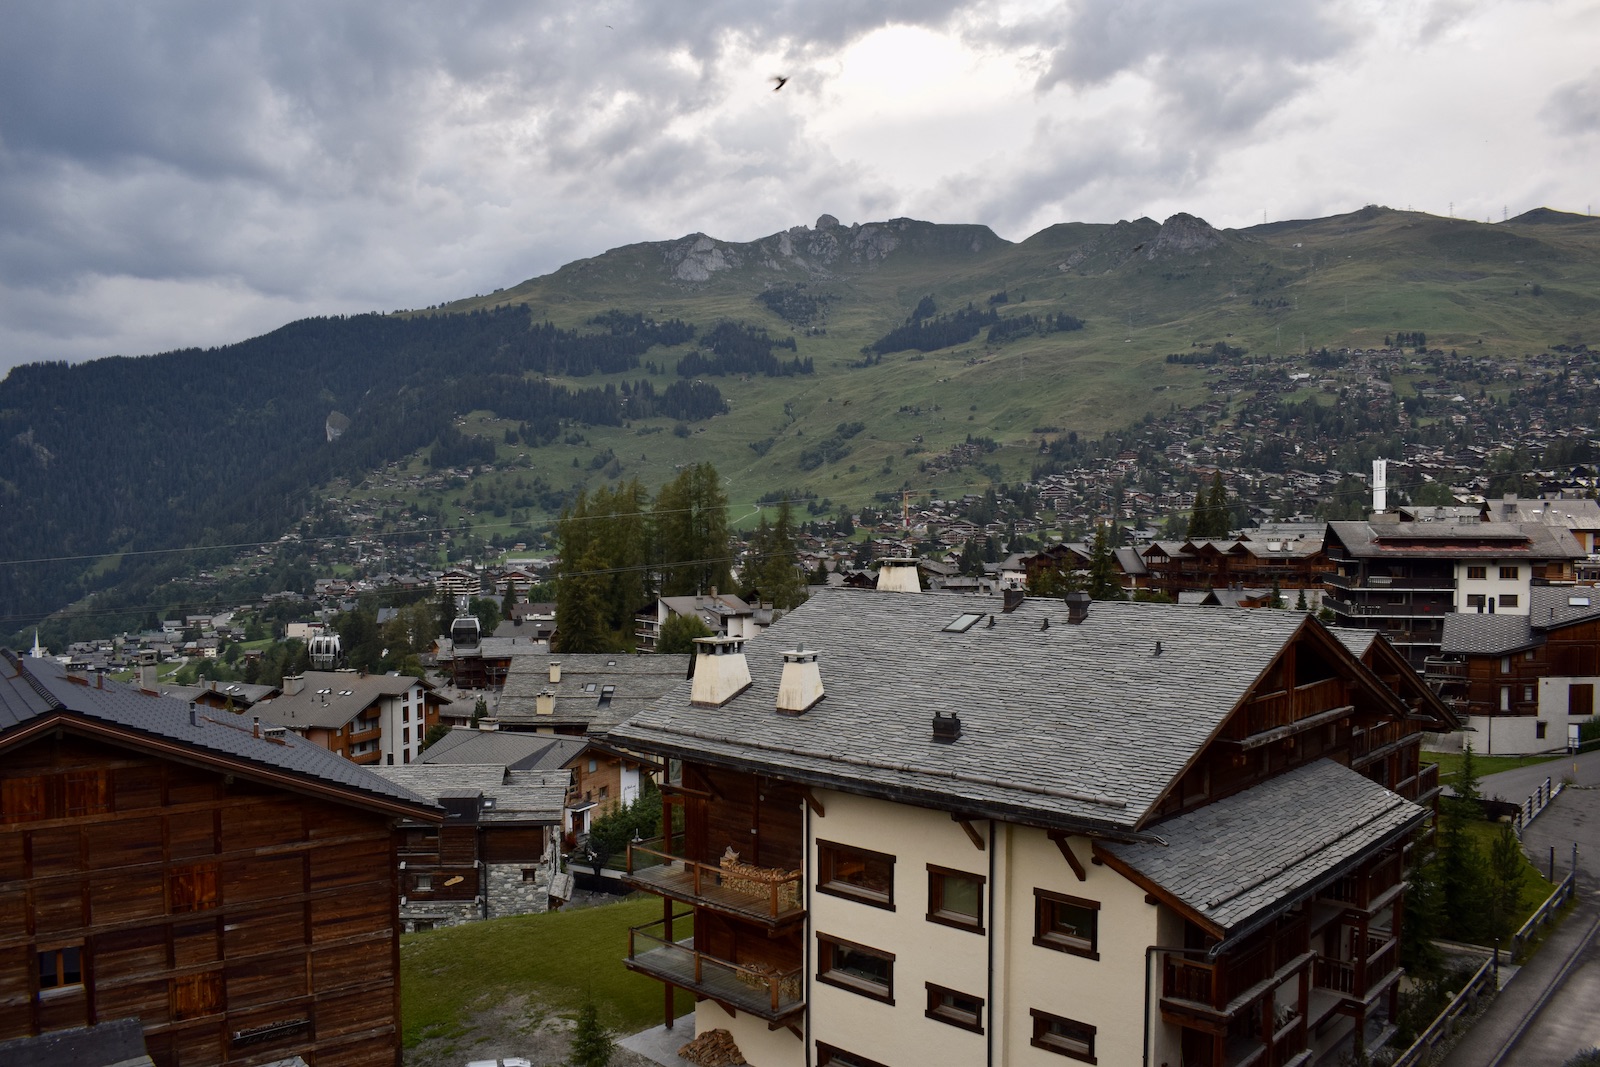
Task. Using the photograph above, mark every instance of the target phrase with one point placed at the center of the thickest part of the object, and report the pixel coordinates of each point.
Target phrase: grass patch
(1535, 887)
(1450, 763)
(557, 958)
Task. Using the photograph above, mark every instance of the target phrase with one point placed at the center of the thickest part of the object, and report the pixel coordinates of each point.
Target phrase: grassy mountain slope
(1142, 290)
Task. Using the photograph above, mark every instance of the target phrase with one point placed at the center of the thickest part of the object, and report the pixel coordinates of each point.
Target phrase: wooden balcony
(1368, 891)
(1359, 979)
(771, 995)
(1214, 992)
(773, 900)
(1421, 787)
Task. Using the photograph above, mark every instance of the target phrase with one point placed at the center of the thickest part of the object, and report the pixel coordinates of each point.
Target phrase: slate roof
(639, 680)
(521, 797)
(348, 695)
(114, 1043)
(518, 751)
(1078, 726)
(1550, 606)
(1454, 540)
(1469, 633)
(31, 689)
(1254, 852)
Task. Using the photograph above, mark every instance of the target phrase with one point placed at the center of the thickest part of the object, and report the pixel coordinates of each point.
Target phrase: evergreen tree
(1277, 595)
(447, 611)
(678, 633)
(780, 580)
(510, 600)
(592, 1044)
(1505, 876)
(691, 515)
(1466, 784)
(581, 604)
(1300, 603)
(1104, 580)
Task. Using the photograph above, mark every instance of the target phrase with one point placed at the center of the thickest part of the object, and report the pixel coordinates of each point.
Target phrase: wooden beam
(812, 802)
(972, 831)
(1060, 838)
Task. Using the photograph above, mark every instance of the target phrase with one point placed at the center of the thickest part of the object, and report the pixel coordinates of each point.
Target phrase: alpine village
(873, 645)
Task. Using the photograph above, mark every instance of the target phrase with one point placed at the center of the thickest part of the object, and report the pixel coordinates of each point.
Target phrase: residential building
(580, 693)
(724, 614)
(366, 718)
(1405, 577)
(931, 828)
(231, 888)
(1523, 683)
(494, 854)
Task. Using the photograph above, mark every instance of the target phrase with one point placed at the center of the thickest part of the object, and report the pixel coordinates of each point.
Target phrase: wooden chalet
(233, 889)
(938, 828)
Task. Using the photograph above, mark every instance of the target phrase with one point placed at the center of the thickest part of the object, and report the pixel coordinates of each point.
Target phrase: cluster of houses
(907, 826)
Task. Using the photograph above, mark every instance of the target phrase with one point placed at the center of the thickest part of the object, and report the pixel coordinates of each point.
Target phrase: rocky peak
(1182, 235)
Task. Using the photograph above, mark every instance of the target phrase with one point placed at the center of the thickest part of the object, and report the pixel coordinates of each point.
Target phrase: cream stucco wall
(1493, 586)
(1002, 964)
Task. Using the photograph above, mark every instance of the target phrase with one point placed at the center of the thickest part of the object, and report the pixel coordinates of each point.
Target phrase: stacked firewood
(714, 1048)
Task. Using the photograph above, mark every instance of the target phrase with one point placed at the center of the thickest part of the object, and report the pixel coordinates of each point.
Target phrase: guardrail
(1445, 1024)
(1541, 915)
(1537, 801)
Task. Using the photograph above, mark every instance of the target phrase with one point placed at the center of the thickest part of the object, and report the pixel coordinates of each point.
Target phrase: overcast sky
(194, 173)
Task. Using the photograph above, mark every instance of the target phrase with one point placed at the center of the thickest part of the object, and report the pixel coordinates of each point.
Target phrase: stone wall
(511, 894)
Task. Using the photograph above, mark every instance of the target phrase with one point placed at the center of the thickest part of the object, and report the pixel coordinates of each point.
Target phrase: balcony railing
(1360, 890)
(1430, 610)
(1380, 735)
(1421, 785)
(1284, 708)
(1381, 583)
(1357, 978)
(767, 894)
(769, 993)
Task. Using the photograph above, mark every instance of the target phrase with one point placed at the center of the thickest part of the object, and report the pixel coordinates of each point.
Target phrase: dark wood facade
(1507, 683)
(735, 868)
(241, 920)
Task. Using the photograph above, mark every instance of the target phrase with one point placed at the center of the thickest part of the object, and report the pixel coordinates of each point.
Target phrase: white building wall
(1493, 587)
(1108, 993)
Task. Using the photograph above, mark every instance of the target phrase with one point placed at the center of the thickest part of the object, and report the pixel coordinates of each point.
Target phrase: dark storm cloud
(1574, 108)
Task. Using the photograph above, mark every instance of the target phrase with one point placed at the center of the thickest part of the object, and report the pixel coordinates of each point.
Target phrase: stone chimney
(1013, 601)
(801, 685)
(1077, 606)
(545, 702)
(555, 671)
(946, 728)
(489, 723)
(899, 575)
(293, 684)
(720, 671)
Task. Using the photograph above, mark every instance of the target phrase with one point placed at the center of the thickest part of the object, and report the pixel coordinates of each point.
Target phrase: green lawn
(446, 975)
(1450, 763)
(1535, 887)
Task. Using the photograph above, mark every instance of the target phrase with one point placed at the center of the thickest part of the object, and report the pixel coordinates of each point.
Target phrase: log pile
(714, 1048)
(753, 881)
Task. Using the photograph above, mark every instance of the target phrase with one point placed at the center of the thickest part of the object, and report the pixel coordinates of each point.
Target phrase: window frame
(828, 965)
(828, 881)
(941, 1010)
(62, 971)
(1045, 934)
(1510, 574)
(833, 1056)
(1478, 573)
(1510, 600)
(938, 913)
(1043, 1021)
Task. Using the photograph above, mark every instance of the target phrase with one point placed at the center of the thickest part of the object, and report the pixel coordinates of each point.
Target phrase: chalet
(1405, 577)
(231, 888)
(493, 856)
(721, 613)
(580, 693)
(366, 718)
(1523, 683)
(923, 828)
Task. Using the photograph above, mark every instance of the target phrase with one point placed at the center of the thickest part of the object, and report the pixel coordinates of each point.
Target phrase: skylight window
(963, 622)
(1578, 601)
(606, 694)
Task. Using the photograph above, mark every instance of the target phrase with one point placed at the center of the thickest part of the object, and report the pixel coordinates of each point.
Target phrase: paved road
(1552, 1000)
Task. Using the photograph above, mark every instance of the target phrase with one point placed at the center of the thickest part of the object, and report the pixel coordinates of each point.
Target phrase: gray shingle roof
(32, 688)
(1454, 540)
(1471, 633)
(639, 682)
(523, 752)
(347, 695)
(1081, 726)
(1279, 840)
(519, 796)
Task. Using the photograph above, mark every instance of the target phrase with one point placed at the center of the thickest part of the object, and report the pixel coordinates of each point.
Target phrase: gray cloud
(1574, 108)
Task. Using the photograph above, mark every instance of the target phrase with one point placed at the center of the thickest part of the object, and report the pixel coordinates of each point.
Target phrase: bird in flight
(781, 80)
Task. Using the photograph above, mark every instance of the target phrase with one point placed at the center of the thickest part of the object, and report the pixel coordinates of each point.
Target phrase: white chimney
(489, 722)
(544, 703)
(1380, 485)
(555, 671)
(801, 685)
(293, 683)
(899, 576)
(720, 671)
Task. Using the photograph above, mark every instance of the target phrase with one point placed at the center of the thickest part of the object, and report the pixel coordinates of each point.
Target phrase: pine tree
(781, 585)
(510, 600)
(1104, 582)
(581, 605)
(592, 1044)
(691, 516)
(1505, 875)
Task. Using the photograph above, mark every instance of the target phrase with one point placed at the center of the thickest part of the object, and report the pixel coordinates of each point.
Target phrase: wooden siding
(241, 923)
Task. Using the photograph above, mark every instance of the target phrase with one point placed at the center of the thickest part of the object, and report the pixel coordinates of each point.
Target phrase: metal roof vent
(946, 728)
(1077, 606)
(801, 685)
(720, 671)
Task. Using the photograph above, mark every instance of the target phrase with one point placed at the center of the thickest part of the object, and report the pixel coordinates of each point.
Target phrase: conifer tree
(592, 1044)
(1104, 583)
(691, 515)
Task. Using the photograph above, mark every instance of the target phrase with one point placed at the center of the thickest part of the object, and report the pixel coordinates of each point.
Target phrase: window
(424, 883)
(61, 967)
(405, 736)
(1066, 924)
(1510, 574)
(1505, 664)
(856, 873)
(955, 898)
(1066, 1036)
(1527, 694)
(1505, 698)
(957, 1009)
(1509, 600)
(1580, 699)
(828, 1056)
(530, 874)
(962, 623)
(1476, 601)
(857, 968)
(1477, 574)
(606, 693)
(593, 766)
(1539, 729)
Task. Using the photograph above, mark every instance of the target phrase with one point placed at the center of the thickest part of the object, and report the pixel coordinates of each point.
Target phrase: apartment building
(366, 718)
(929, 828)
